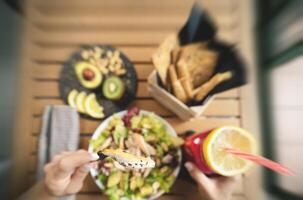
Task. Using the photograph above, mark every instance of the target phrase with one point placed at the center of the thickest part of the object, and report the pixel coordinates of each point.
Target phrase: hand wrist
(38, 191)
(45, 192)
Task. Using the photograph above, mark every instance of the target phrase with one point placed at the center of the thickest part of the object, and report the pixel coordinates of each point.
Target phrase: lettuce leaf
(119, 133)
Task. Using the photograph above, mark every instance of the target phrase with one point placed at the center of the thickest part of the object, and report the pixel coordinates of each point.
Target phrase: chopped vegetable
(146, 190)
(119, 132)
(114, 178)
(102, 178)
(136, 182)
(135, 122)
(176, 141)
(98, 142)
(167, 183)
(124, 181)
(112, 193)
(150, 138)
(105, 144)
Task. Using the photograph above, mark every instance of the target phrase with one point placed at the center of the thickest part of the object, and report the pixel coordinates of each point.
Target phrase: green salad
(142, 135)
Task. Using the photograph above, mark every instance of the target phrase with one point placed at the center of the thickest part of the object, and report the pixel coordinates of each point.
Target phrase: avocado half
(89, 75)
(113, 88)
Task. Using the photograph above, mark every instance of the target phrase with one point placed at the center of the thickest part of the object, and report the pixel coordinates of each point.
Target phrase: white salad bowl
(94, 173)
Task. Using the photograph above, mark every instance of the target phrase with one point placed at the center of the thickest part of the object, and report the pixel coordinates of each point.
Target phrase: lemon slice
(71, 99)
(80, 102)
(218, 159)
(92, 107)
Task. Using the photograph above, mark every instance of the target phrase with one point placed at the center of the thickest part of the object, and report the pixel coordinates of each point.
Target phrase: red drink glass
(194, 151)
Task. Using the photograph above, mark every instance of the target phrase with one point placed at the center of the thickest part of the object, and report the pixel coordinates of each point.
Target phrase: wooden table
(55, 29)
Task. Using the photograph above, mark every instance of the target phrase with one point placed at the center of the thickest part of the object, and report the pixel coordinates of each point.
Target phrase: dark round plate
(69, 81)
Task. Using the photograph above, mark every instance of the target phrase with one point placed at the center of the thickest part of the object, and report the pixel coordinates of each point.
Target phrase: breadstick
(186, 83)
(172, 74)
(178, 90)
(204, 89)
(185, 78)
(175, 55)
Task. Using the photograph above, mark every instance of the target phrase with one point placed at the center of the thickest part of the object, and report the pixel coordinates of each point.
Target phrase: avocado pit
(88, 74)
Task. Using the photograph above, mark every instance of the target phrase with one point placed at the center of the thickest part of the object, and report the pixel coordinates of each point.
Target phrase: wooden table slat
(88, 127)
(113, 4)
(200, 124)
(117, 3)
(181, 5)
(60, 8)
(52, 71)
(126, 37)
(61, 53)
(105, 22)
(51, 88)
(44, 72)
(123, 22)
(117, 12)
(225, 19)
(219, 107)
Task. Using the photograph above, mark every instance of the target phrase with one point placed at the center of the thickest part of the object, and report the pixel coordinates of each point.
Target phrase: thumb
(197, 175)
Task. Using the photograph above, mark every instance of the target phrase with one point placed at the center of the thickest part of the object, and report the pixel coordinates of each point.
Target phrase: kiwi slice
(113, 88)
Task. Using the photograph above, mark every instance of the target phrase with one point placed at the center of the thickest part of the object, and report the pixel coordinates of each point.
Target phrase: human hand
(65, 174)
(212, 188)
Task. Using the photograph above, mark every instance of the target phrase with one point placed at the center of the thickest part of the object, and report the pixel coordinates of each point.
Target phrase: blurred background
(268, 34)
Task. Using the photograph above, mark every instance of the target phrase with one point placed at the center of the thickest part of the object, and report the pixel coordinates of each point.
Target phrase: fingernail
(94, 156)
(189, 166)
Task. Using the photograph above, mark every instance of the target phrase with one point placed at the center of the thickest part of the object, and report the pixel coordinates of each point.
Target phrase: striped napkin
(60, 132)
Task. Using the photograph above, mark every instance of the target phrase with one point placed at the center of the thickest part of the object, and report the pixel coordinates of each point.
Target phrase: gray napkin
(60, 132)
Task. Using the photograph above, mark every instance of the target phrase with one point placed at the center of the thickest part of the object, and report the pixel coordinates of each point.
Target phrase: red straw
(261, 160)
